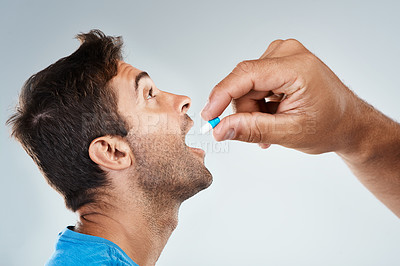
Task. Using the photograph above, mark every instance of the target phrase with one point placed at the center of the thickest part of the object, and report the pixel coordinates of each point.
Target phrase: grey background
(273, 207)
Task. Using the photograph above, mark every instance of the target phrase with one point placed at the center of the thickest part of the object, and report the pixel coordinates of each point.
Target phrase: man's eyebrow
(139, 77)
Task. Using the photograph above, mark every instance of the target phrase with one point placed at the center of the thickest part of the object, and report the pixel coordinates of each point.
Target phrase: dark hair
(63, 108)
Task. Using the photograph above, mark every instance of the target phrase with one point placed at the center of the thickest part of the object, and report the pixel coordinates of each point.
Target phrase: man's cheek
(146, 123)
(154, 123)
(171, 124)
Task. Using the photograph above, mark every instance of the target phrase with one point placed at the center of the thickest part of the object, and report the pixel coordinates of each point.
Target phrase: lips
(197, 151)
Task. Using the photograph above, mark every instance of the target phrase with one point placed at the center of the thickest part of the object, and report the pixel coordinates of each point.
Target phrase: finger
(271, 48)
(287, 48)
(236, 84)
(255, 127)
(260, 75)
(264, 145)
(254, 101)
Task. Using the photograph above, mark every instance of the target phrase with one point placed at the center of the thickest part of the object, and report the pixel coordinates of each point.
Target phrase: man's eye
(150, 94)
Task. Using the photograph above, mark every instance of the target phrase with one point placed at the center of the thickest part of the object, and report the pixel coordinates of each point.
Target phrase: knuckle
(242, 127)
(293, 42)
(254, 132)
(218, 86)
(244, 67)
(275, 43)
(308, 60)
(219, 89)
(271, 47)
(259, 130)
(249, 137)
(236, 123)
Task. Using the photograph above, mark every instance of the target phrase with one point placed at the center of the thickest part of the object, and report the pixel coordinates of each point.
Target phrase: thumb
(256, 127)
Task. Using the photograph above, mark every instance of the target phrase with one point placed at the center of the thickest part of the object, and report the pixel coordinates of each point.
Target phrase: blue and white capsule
(210, 125)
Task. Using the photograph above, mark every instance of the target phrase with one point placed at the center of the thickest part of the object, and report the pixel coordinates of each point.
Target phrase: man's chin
(168, 167)
(205, 184)
(202, 178)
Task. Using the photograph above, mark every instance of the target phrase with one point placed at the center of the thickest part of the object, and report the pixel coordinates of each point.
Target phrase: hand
(315, 116)
(319, 114)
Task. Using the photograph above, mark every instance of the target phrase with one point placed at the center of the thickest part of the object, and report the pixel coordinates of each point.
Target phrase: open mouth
(197, 151)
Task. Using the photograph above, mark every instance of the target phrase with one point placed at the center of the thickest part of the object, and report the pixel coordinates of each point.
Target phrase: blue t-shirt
(74, 248)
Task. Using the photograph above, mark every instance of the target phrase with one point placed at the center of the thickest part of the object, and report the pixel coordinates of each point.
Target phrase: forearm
(373, 153)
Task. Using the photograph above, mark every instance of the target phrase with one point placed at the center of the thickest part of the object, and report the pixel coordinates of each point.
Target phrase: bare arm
(320, 114)
(373, 153)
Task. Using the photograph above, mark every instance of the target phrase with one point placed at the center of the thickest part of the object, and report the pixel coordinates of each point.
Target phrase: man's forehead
(130, 75)
(125, 69)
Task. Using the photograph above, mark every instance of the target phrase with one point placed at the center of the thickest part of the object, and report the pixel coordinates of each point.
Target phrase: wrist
(368, 133)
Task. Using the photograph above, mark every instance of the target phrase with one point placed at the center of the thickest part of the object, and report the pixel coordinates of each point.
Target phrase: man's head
(90, 117)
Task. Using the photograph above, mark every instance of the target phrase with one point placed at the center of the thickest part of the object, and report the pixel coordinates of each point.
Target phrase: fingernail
(205, 108)
(229, 134)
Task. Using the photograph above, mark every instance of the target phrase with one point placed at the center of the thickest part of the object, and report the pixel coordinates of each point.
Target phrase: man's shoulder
(78, 253)
(73, 248)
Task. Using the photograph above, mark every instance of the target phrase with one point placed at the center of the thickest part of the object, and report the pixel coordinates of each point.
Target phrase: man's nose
(184, 103)
(180, 103)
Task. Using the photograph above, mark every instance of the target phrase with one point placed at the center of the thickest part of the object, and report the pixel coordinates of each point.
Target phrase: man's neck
(139, 228)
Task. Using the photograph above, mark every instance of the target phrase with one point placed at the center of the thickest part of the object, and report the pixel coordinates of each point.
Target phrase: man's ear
(112, 152)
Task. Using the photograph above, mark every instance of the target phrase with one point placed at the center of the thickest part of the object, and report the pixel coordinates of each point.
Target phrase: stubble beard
(165, 169)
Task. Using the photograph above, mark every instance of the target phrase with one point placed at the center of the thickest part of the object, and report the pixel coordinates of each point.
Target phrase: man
(113, 145)
(149, 170)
